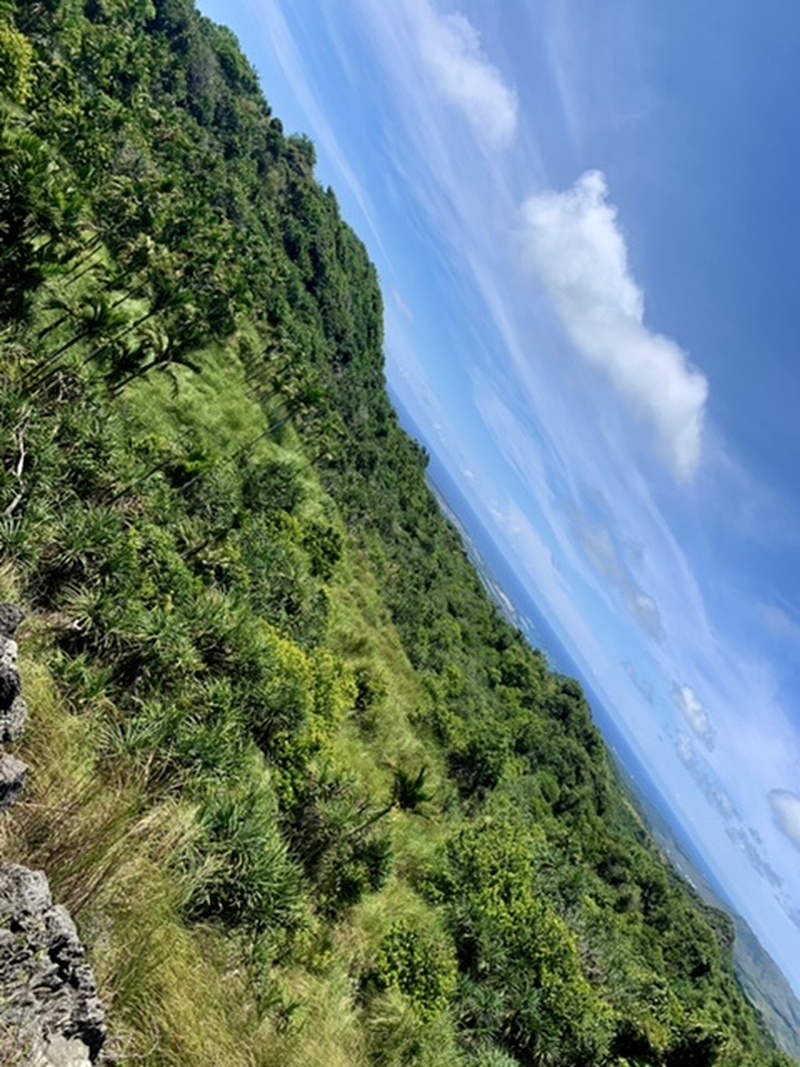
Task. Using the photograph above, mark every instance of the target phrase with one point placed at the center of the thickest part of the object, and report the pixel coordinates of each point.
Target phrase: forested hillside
(310, 799)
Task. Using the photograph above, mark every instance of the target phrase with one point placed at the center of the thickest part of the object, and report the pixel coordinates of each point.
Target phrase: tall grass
(175, 994)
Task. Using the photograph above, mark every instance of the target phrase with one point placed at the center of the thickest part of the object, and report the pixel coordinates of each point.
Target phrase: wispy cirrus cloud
(403, 305)
(451, 48)
(779, 623)
(786, 813)
(580, 254)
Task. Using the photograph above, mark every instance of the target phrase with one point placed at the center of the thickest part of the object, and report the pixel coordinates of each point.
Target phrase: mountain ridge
(309, 796)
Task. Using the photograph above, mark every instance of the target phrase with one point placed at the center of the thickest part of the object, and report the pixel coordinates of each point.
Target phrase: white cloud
(749, 844)
(605, 557)
(695, 713)
(580, 254)
(451, 48)
(779, 622)
(644, 686)
(706, 780)
(402, 304)
(685, 748)
(786, 812)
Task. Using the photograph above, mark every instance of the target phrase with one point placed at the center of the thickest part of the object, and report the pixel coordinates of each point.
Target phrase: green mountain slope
(310, 798)
(767, 988)
(760, 976)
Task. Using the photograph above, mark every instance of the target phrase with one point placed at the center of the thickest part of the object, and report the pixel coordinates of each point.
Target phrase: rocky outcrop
(50, 1015)
(49, 1010)
(13, 710)
(13, 773)
(11, 615)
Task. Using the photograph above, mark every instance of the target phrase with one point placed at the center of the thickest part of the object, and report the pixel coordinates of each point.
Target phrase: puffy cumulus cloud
(685, 749)
(451, 49)
(581, 256)
(645, 610)
(693, 710)
(723, 802)
(786, 813)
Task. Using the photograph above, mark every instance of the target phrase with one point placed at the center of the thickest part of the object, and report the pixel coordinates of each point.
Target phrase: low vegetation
(311, 800)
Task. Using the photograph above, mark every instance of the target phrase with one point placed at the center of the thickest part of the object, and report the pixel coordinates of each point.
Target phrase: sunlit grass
(215, 405)
(175, 995)
(180, 994)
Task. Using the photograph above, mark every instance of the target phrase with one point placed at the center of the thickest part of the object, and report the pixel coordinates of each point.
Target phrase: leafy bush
(239, 871)
(420, 962)
(16, 63)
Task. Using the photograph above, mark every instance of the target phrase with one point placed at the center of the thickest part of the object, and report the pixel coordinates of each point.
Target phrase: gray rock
(13, 773)
(12, 721)
(60, 1052)
(10, 681)
(50, 1015)
(11, 615)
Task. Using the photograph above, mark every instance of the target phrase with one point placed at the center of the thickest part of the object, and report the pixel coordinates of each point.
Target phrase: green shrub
(420, 962)
(238, 869)
(16, 63)
(491, 1056)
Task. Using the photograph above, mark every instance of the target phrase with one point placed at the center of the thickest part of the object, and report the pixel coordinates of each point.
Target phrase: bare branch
(18, 472)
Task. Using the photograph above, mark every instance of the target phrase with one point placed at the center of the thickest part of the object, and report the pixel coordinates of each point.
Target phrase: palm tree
(408, 794)
(96, 318)
(24, 217)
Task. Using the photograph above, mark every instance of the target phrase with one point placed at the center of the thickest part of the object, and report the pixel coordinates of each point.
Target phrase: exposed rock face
(13, 773)
(50, 1015)
(10, 681)
(13, 711)
(11, 615)
(12, 720)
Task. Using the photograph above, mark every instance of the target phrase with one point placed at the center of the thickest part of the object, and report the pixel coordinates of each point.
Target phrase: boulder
(13, 773)
(12, 721)
(10, 681)
(50, 1015)
(11, 615)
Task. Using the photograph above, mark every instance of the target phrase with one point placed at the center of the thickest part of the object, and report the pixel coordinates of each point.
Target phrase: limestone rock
(10, 681)
(50, 1015)
(12, 721)
(13, 773)
(11, 615)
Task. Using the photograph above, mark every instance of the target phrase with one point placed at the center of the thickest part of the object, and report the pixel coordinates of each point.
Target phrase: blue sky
(585, 221)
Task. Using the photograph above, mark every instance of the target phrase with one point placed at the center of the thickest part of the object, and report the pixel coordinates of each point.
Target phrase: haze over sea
(584, 218)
